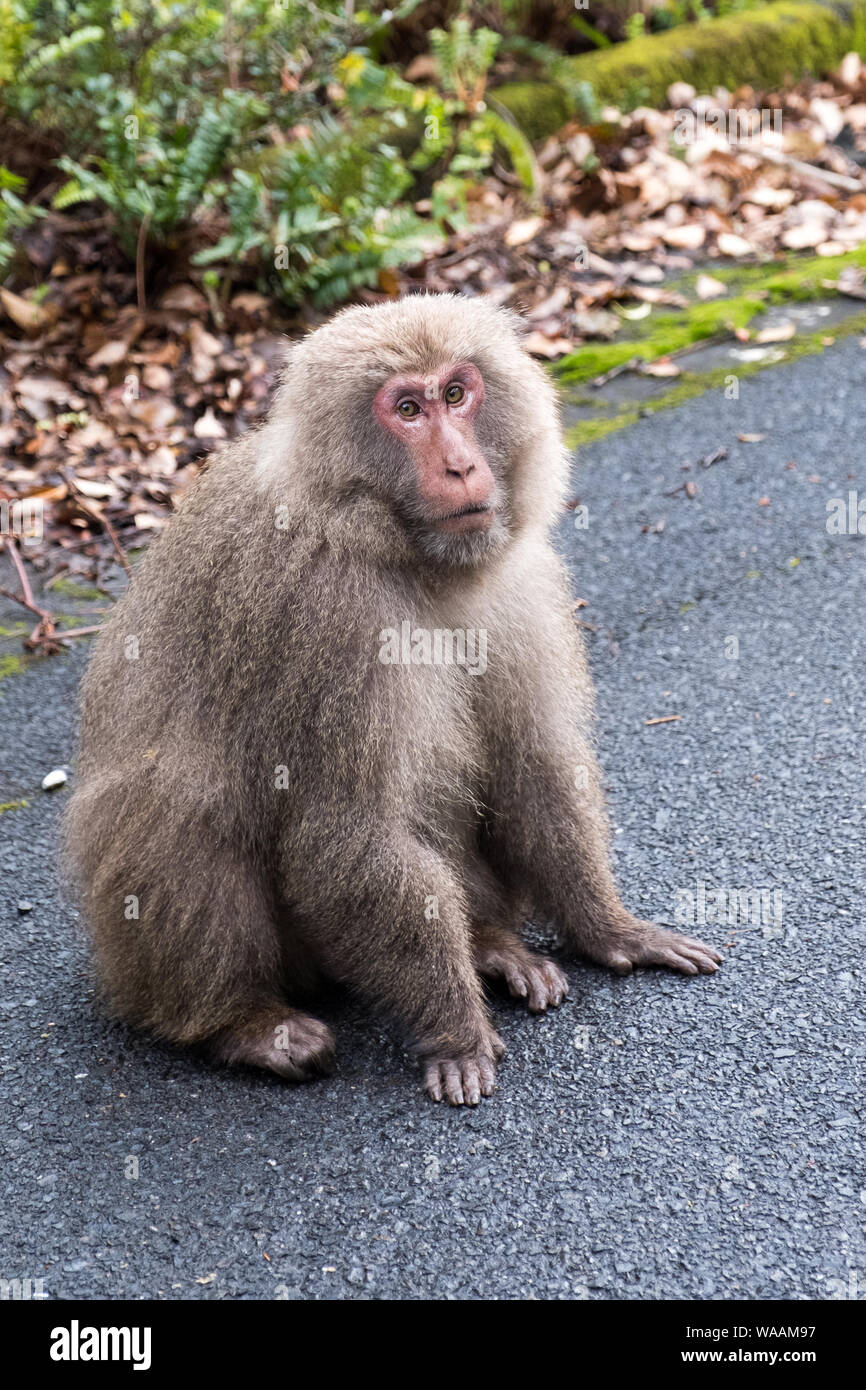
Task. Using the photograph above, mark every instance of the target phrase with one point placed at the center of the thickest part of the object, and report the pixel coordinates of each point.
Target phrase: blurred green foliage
(269, 120)
(271, 137)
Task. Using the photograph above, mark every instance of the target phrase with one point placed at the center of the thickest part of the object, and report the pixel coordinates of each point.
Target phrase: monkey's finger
(684, 964)
(487, 1075)
(701, 948)
(433, 1081)
(701, 960)
(554, 985)
(518, 987)
(471, 1083)
(453, 1083)
(619, 963)
(561, 985)
(493, 1046)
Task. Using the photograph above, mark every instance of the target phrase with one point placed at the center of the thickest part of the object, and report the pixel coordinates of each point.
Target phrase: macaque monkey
(295, 764)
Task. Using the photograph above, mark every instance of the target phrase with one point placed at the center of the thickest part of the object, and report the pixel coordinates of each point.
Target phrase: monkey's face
(447, 493)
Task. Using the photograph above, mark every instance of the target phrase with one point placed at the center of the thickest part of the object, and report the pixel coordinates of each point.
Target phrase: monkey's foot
(464, 1079)
(291, 1043)
(643, 943)
(527, 975)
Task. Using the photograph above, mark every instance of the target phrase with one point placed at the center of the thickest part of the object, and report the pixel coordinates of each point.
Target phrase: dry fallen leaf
(689, 237)
(540, 346)
(777, 199)
(706, 287)
(732, 245)
(662, 367)
(523, 230)
(33, 318)
(751, 438)
(156, 414)
(804, 235)
(850, 69)
(778, 333)
(112, 352)
(90, 488)
(185, 297)
(207, 426)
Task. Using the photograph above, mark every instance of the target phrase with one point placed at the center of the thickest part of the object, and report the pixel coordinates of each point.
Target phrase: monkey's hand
(464, 1079)
(527, 976)
(635, 942)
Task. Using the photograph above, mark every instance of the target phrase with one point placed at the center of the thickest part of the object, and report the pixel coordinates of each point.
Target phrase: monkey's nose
(459, 468)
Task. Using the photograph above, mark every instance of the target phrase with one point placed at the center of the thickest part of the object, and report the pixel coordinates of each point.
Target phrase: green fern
(52, 54)
(464, 57)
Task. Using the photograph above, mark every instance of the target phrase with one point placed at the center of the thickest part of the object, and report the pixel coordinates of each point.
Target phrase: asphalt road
(657, 1137)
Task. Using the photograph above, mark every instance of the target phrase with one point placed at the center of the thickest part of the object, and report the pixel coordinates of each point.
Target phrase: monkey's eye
(454, 393)
(408, 409)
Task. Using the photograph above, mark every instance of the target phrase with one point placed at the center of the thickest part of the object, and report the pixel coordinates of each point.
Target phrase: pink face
(434, 416)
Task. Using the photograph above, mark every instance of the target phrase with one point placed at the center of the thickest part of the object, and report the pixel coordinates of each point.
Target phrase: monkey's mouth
(478, 517)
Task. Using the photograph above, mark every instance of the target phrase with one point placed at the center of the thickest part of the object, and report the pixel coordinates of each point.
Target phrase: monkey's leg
(552, 833)
(196, 956)
(284, 1040)
(388, 918)
(500, 955)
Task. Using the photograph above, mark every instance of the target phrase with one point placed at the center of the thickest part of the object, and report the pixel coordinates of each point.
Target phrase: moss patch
(763, 48)
(69, 589)
(12, 806)
(11, 666)
(671, 331)
(693, 384)
(14, 631)
(539, 108)
(659, 335)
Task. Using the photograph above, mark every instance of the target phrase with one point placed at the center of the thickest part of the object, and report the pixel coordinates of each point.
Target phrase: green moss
(761, 47)
(69, 589)
(539, 108)
(791, 277)
(658, 336)
(693, 384)
(798, 278)
(11, 666)
(14, 631)
(68, 619)
(12, 806)
(590, 431)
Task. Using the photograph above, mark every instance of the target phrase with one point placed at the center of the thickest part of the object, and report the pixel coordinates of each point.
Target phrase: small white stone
(54, 779)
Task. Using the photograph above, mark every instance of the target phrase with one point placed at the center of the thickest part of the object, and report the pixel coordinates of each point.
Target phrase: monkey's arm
(386, 916)
(549, 830)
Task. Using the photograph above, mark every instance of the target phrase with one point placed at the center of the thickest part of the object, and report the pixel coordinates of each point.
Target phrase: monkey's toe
(294, 1045)
(528, 976)
(647, 944)
(460, 1080)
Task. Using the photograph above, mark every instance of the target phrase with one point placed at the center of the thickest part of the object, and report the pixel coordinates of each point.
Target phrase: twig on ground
(799, 166)
(97, 516)
(139, 263)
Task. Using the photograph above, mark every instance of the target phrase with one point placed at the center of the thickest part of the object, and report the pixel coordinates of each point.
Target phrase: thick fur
(280, 803)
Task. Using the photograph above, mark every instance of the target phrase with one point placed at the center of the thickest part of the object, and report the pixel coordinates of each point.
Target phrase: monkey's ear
(516, 322)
